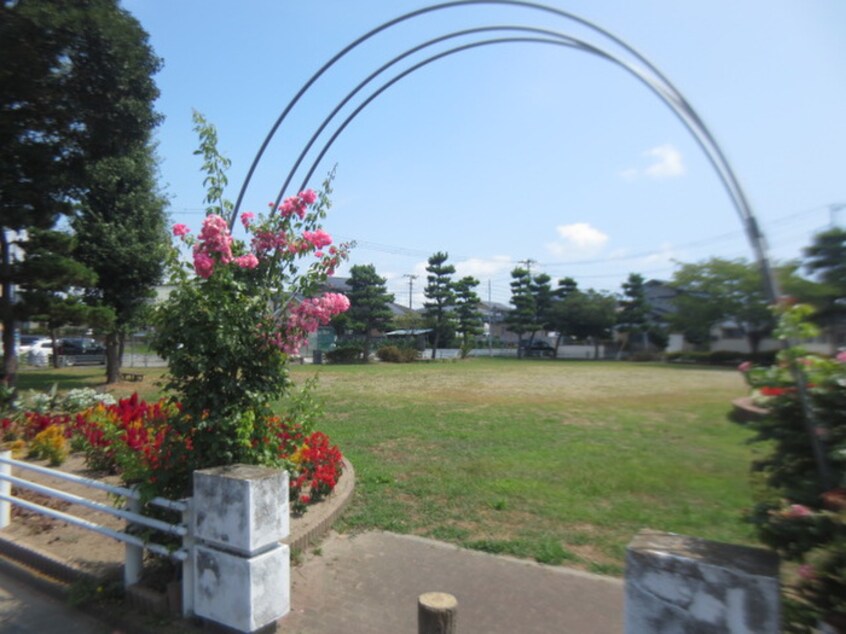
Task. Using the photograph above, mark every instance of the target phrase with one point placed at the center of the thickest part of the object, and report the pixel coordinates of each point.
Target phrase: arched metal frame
(650, 75)
(642, 69)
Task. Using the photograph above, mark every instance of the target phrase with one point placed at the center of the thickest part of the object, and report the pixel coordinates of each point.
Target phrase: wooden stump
(436, 613)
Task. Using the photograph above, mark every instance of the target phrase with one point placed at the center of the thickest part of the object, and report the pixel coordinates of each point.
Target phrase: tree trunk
(10, 358)
(754, 339)
(366, 351)
(112, 358)
(557, 344)
(54, 356)
(595, 348)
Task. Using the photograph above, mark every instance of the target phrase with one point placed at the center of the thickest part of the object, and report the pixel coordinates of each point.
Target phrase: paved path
(24, 610)
(369, 584)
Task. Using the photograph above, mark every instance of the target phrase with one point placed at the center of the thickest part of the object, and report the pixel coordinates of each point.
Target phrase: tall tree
(566, 286)
(120, 220)
(122, 237)
(51, 282)
(523, 317)
(467, 312)
(541, 287)
(719, 290)
(825, 258)
(369, 303)
(75, 90)
(39, 137)
(441, 298)
(633, 315)
(587, 315)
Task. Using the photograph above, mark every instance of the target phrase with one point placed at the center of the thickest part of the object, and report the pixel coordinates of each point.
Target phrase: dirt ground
(85, 549)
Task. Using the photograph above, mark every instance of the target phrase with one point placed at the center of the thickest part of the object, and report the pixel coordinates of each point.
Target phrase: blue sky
(519, 151)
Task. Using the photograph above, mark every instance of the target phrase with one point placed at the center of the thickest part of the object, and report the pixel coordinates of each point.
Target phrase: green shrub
(802, 512)
(397, 354)
(345, 354)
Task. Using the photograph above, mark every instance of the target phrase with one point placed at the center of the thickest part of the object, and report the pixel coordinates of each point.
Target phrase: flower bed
(137, 441)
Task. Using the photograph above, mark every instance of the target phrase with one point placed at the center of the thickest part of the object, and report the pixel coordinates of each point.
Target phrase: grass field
(558, 461)
(562, 462)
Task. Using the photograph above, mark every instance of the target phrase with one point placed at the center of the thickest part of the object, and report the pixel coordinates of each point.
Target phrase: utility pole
(833, 209)
(411, 279)
(528, 262)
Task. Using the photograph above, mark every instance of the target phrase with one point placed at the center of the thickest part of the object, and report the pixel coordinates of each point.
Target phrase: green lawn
(558, 461)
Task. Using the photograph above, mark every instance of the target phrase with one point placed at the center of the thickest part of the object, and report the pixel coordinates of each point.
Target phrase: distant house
(727, 336)
(493, 315)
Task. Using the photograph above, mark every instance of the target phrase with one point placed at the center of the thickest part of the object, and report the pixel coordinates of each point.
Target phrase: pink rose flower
(841, 356)
(308, 196)
(203, 264)
(745, 366)
(799, 510)
(180, 230)
(247, 218)
(248, 261)
(318, 239)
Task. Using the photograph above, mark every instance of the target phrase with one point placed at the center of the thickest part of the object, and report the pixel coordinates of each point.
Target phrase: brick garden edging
(312, 526)
(744, 410)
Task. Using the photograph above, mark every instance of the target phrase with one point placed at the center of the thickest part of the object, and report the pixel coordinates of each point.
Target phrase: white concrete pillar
(241, 571)
(684, 584)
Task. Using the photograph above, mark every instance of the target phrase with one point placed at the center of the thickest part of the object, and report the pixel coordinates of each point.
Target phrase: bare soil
(89, 551)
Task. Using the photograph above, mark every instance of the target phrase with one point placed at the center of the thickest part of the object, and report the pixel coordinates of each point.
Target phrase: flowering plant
(802, 514)
(240, 309)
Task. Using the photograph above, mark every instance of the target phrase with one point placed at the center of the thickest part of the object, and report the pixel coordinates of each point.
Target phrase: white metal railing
(134, 545)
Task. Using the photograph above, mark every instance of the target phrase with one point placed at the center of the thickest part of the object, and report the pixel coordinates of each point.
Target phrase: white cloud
(483, 268)
(665, 162)
(577, 239)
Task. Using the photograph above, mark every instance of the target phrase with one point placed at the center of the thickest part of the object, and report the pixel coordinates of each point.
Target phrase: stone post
(436, 613)
(241, 571)
(684, 584)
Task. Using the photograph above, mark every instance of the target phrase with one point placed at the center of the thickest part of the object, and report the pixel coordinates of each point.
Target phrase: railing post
(188, 579)
(133, 561)
(6, 490)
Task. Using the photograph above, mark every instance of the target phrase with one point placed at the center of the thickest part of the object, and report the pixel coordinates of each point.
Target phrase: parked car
(38, 352)
(26, 343)
(81, 350)
(537, 349)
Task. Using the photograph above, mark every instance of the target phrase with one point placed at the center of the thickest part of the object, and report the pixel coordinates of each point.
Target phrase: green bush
(345, 354)
(397, 354)
(802, 512)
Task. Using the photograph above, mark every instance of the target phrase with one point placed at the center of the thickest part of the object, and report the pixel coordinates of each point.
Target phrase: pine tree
(440, 292)
(369, 303)
(467, 311)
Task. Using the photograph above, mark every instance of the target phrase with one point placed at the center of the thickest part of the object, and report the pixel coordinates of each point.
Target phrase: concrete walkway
(369, 584)
(25, 610)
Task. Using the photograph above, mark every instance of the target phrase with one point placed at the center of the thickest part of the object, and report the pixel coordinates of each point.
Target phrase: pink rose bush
(241, 307)
(802, 511)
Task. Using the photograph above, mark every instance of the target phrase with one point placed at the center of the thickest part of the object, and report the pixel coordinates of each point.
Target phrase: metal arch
(724, 170)
(674, 101)
(378, 72)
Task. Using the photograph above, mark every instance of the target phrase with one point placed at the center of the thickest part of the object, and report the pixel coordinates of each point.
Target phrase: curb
(744, 410)
(312, 526)
(53, 575)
